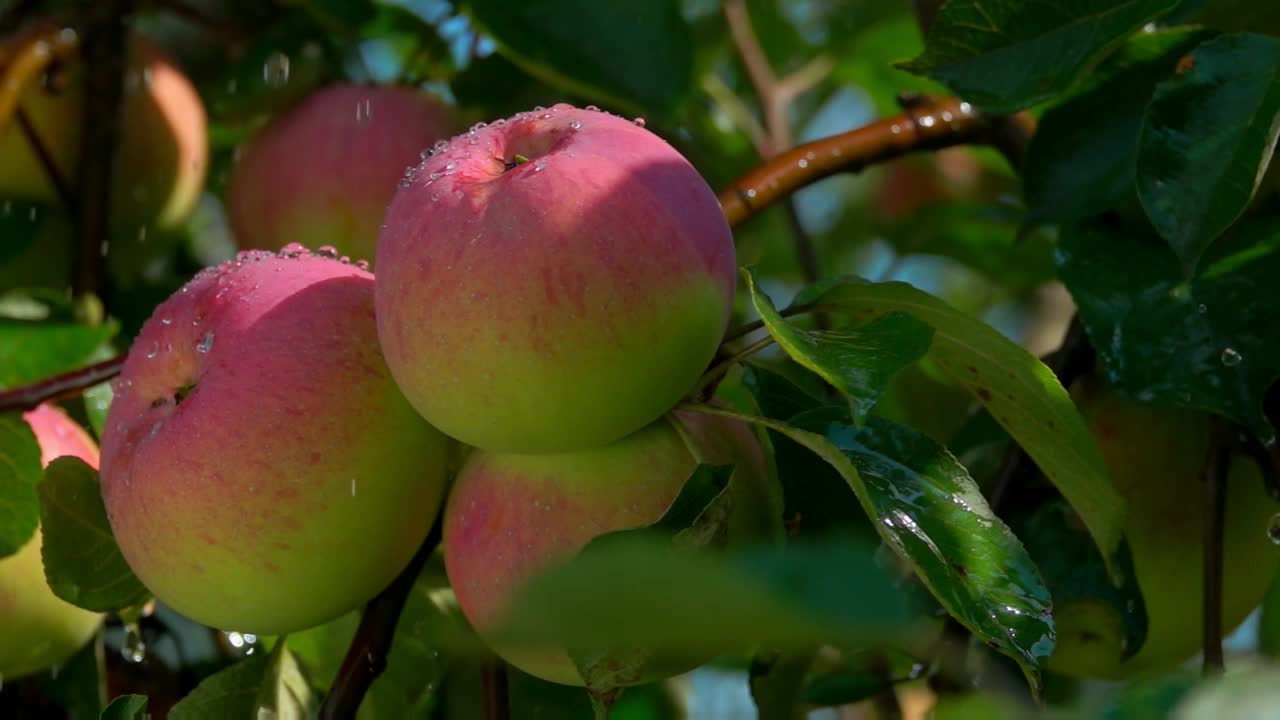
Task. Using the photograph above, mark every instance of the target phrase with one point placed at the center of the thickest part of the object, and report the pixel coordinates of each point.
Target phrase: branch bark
(1214, 476)
(60, 386)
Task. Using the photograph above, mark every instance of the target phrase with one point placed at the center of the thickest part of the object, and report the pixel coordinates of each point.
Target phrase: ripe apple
(1155, 456)
(161, 160)
(323, 172)
(510, 516)
(40, 629)
(260, 469)
(552, 282)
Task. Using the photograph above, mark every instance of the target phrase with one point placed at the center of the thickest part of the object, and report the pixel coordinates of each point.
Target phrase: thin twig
(60, 386)
(1214, 475)
(367, 656)
(493, 681)
(60, 185)
(104, 55)
(712, 376)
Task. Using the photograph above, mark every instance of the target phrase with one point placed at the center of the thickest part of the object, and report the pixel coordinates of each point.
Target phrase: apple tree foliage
(909, 395)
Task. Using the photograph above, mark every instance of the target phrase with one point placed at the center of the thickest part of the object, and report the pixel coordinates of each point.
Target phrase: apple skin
(510, 516)
(557, 304)
(162, 157)
(260, 469)
(41, 629)
(323, 172)
(1155, 456)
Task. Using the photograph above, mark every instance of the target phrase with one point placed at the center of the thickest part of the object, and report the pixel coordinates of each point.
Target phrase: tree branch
(367, 656)
(927, 124)
(32, 135)
(60, 386)
(493, 681)
(105, 56)
(1214, 476)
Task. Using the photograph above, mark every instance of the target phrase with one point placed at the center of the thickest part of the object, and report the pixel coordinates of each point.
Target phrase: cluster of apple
(547, 289)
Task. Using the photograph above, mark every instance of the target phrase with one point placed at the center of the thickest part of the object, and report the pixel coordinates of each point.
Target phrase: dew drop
(1230, 357)
(1202, 309)
(362, 264)
(638, 122)
(576, 124)
(327, 251)
(275, 71)
(153, 350)
(133, 649)
(206, 342)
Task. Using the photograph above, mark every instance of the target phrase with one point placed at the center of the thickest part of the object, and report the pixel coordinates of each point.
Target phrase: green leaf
(1269, 623)
(126, 707)
(1151, 699)
(1206, 343)
(31, 351)
(859, 362)
(1207, 138)
(1006, 55)
(1019, 391)
(928, 509)
(1083, 158)
(685, 603)
(777, 683)
(79, 686)
(635, 55)
(81, 560)
(19, 477)
(270, 685)
(844, 688)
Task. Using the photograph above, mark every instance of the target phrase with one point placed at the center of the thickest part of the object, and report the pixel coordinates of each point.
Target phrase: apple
(552, 282)
(510, 516)
(1155, 456)
(323, 172)
(41, 629)
(260, 470)
(161, 160)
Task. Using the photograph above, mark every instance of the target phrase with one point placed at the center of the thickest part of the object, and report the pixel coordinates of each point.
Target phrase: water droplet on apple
(206, 342)
(364, 112)
(153, 350)
(133, 648)
(363, 264)
(639, 122)
(327, 251)
(1231, 357)
(275, 70)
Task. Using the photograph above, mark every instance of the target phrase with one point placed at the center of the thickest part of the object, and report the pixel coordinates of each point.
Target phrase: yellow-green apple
(510, 516)
(323, 172)
(1155, 456)
(40, 629)
(260, 469)
(161, 159)
(552, 282)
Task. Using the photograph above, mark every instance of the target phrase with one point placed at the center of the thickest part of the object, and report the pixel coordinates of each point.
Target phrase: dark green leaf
(859, 362)
(31, 351)
(685, 603)
(843, 688)
(635, 55)
(19, 477)
(1207, 138)
(127, 707)
(20, 226)
(1269, 623)
(80, 684)
(81, 560)
(1207, 342)
(1151, 699)
(932, 513)
(269, 685)
(1006, 55)
(1018, 390)
(1083, 158)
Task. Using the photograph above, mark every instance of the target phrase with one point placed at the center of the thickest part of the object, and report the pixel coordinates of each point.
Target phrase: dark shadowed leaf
(1006, 55)
(636, 55)
(1019, 391)
(81, 560)
(80, 684)
(777, 683)
(1083, 158)
(126, 707)
(19, 478)
(859, 362)
(265, 685)
(1208, 342)
(1207, 138)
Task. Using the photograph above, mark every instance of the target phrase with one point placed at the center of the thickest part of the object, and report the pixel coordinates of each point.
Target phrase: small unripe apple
(1155, 456)
(160, 162)
(41, 629)
(552, 282)
(323, 172)
(261, 471)
(511, 516)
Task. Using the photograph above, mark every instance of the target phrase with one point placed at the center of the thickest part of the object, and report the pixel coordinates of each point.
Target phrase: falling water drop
(1231, 357)
(133, 648)
(275, 71)
(1273, 529)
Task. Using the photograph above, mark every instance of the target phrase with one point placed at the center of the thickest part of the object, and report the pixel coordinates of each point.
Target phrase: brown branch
(60, 386)
(493, 681)
(105, 56)
(25, 59)
(32, 135)
(367, 656)
(931, 124)
(1214, 476)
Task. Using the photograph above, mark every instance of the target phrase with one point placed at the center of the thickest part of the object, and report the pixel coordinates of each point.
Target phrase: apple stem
(493, 680)
(718, 369)
(1214, 474)
(366, 657)
(67, 384)
(103, 50)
